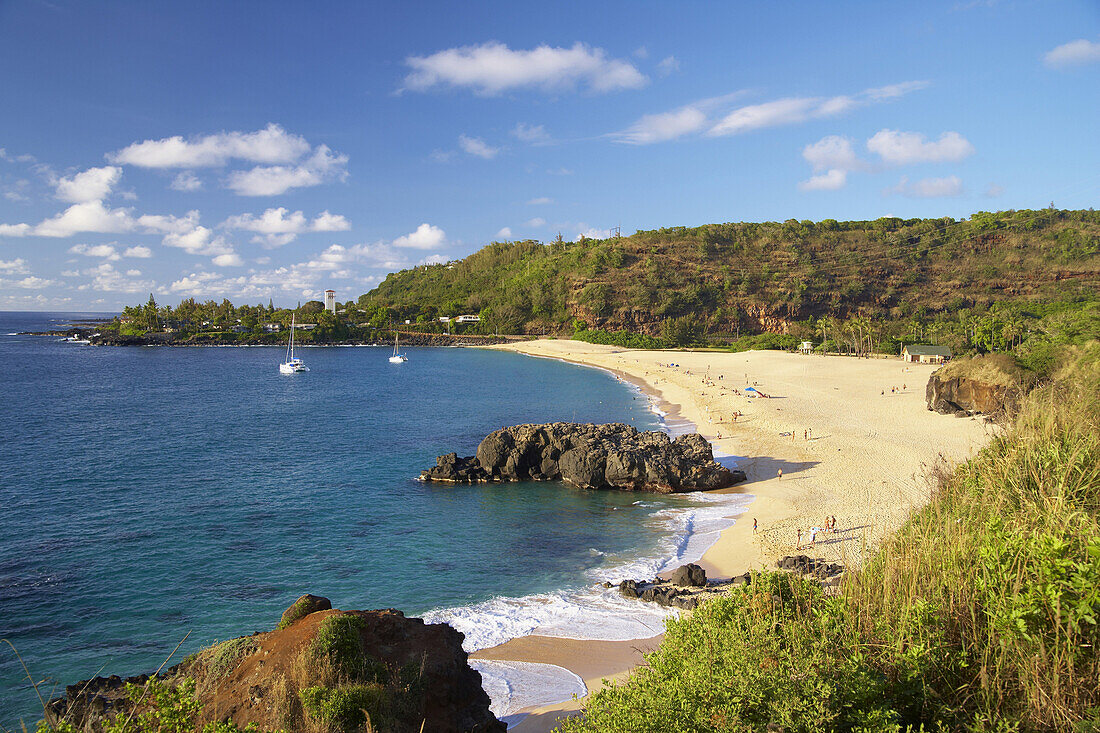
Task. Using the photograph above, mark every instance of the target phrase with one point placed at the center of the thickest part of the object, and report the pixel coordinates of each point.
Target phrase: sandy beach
(835, 436)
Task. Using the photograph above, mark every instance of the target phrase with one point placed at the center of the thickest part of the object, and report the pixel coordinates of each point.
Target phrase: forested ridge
(903, 278)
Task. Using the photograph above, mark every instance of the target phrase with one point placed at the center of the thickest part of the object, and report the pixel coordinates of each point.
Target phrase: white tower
(330, 301)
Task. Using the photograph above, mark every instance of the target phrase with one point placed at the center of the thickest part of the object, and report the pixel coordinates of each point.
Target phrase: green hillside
(977, 284)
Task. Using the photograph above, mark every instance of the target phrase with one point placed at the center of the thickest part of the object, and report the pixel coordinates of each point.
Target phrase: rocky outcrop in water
(588, 456)
(408, 676)
(964, 396)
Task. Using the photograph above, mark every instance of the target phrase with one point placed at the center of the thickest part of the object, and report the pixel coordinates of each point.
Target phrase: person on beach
(799, 545)
(779, 475)
(754, 525)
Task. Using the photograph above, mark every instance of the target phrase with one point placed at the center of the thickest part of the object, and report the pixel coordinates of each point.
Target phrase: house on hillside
(273, 327)
(926, 354)
(467, 319)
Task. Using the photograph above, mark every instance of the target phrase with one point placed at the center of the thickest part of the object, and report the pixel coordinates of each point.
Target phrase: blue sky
(257, 150)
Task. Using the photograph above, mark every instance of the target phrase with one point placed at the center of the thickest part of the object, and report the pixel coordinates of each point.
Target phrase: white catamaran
(398, 357)
(292, 364)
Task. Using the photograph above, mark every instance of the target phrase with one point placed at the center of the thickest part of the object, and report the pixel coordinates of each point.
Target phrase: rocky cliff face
(963, 396)
(588, 456)
(320, 670)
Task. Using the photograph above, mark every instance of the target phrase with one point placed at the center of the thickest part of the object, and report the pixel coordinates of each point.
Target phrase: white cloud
(434, 260)
(993, 190)
(186, 181)
(277, 227)
(91, 216)
(831, 152)
(534, 134)
(1074, 53)
(787, 111)
(326, 222)
(322, 166)
(504, 233)
(270, 145)
(34, 283)
(535, 223)
(106, 278)
(17, 266)
(492, 68)
(664, 126)
(93, 184)
(272, 221)
(668, 65)
(928, 187)
(893, 91)
(559, 172)
(714, 115)
(14, 230)
(830, 180)
(426, 236)
(133, 273)
(198, 241)
(477, 146)
(138, 252)
(231, 259)
(540, 201)
(105, 251)
(769, 114)
(904, 148)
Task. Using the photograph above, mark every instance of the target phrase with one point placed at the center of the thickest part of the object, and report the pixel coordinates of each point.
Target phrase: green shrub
(338, 643)
(222, 658)
(349, 706)
(775, 652)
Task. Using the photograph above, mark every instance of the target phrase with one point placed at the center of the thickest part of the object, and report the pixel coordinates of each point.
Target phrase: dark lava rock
(589, 456)
(629, 589)
(690, 575)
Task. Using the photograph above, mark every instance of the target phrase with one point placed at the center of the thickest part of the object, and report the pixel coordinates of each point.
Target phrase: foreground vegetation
(981, 613)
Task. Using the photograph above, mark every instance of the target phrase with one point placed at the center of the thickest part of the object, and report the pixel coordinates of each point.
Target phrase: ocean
(152, 493)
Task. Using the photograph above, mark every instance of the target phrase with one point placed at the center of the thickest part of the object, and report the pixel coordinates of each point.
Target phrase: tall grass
(980, 613)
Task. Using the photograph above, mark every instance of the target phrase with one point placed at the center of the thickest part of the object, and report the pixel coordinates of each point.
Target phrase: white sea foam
(591, 611)
(514, 686)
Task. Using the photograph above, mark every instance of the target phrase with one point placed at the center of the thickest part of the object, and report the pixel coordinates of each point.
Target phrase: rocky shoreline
(589, 456)
(687, 586)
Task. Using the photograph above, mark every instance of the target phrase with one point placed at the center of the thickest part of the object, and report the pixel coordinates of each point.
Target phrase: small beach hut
(807, 347)
(926, 354)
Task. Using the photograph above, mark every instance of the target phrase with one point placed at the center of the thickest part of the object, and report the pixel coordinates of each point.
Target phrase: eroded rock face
(963, 396)
(588, 456)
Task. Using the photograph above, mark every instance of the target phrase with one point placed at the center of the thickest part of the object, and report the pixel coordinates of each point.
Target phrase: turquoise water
(152, 492)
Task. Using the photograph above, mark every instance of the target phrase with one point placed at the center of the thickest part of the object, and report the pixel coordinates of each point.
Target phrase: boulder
(589, 456)
(302, 607)
(689, 575)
